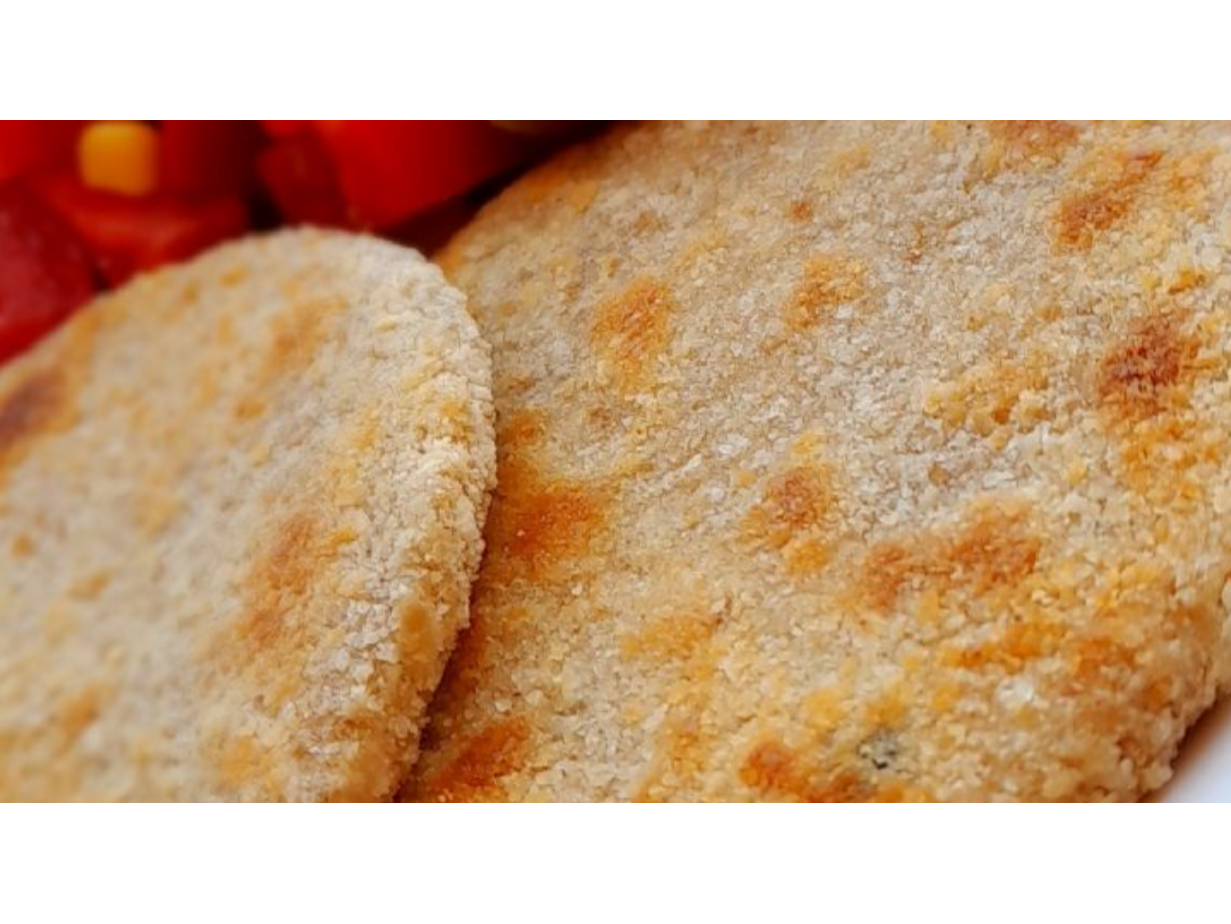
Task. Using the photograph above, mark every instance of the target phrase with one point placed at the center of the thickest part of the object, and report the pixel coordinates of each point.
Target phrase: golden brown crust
(242, 501)
(851, 461)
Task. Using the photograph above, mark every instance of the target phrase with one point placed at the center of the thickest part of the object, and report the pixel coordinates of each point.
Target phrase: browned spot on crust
(1187, 279)
(379, 760)
(536, 522)
(1013, 650)
(1136, 376)
(1142, 387)
(241, 760)
(78, 711)
(548, 523)
(269, 639)
(1160, 453)
(801, 210)
(796, 513)
(829, 280)
(483, 760)
(992, 550)
(941, 131)
(888, 567)
(249, 408)
(22, 546)
(64, 778)
(189, 293)
(279, 581)
(1094, 657)
(631, 330)
(90, 586)
(418, 638)
(34, 408)
(845, 162)
(1186, 180)
(518, 430)
(295, 337)
(648, 222)
(465, 668)
(703, 246)
(988, 397)
(296, 334)
(205, 387)
(1017, 144)
(773, 770)
(669, 639)
(268, 642)
(245, 762)
(234, 275)
(1083, 215)
(224, 331)
(807, 556)
(798, 499)
(454, 423)
(687, 644)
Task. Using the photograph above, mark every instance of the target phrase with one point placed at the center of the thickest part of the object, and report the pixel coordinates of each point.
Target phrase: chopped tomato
(285, 127)
(208, 157)
(126, 234)
(302, 181)
(28, 145)
(44, 271)
(392, 170)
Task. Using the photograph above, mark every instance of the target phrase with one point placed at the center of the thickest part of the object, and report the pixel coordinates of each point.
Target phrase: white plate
(1203, 771)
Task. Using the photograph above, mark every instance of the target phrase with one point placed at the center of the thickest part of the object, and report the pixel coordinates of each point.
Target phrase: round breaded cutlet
(241, 504)
(849, 462)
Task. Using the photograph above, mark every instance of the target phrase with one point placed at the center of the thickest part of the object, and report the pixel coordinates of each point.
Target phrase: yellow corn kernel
(119, 157)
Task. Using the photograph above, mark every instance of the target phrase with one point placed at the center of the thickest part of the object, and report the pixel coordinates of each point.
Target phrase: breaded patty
(240, 511)
(849, 462)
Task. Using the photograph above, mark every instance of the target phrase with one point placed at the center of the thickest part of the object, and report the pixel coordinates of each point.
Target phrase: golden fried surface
(240, 510)
(844, 462)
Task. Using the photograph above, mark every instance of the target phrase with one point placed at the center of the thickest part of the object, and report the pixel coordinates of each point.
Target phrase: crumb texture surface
(240, 511)
(849, 461)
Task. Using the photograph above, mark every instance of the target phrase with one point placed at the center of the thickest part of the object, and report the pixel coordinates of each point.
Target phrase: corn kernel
(119, 157)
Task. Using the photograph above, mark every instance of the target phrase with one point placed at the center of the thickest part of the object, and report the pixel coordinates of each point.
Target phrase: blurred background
(84, 205)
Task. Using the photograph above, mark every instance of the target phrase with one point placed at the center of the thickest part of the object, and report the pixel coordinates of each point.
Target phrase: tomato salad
(85, 205)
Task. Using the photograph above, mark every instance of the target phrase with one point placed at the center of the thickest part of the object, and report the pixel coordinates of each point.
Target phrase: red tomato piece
(302, 181)
(392, 170)
(284, 128)
(44, 271)
(208, 157)
(27, 145)
(126, 234)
